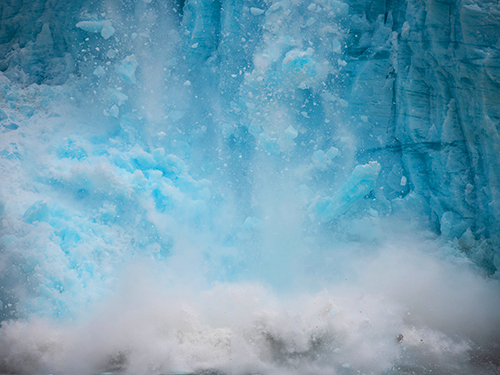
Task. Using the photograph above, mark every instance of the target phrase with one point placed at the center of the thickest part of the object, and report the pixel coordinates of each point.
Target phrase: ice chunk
(111, 54)
(103, 27)
(336, 46)
(11, 126)
(269, 144)
(3, 115)
(116, 96)
(12, 96)
(319, 158)
(322, 159)
(27, 110)
(114, 111)
(256, 11)
(291, 132)
(107, 30)
(310, 21)
(69, 237)
(332, 153)
(37, 212)
(251, 223)
(99, 71)
(126, 70)
(341, 9)
(359, 184)
(91, 26)
(142, 159)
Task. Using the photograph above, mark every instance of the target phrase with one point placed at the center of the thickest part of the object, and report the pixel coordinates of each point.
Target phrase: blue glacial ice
(249, 187)
(358, 185)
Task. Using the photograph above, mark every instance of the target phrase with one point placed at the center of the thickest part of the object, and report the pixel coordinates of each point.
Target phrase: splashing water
(184, 190)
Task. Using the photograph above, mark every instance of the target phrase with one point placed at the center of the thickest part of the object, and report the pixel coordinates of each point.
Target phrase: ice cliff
(426, 74)
(420, 80)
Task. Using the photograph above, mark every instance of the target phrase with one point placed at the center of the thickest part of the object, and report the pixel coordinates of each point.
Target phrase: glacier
(249, 187)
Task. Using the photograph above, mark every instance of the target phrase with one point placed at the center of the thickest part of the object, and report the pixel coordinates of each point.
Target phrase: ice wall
(449, 79)
(425, 74)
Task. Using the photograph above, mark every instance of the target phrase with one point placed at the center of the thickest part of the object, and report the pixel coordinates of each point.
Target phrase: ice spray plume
(195, 188)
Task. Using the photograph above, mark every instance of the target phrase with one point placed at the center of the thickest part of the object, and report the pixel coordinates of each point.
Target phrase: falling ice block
(291, 132)
(359, 184)
(103, 27)
(126, 69)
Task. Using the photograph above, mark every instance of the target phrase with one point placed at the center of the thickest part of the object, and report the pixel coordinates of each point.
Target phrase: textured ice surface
(251, 187)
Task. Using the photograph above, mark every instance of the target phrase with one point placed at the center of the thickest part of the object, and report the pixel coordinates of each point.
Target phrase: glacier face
(436, 109)
(194, 150)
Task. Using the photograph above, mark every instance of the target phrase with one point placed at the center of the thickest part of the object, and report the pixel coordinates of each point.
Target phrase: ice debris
(126, 70)
(359, 184)
(291, 132)
(256, 11)
(99, 71)
(322, 159)
(116, 97)
(103, 27)
(251, 223)
(114, 111)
